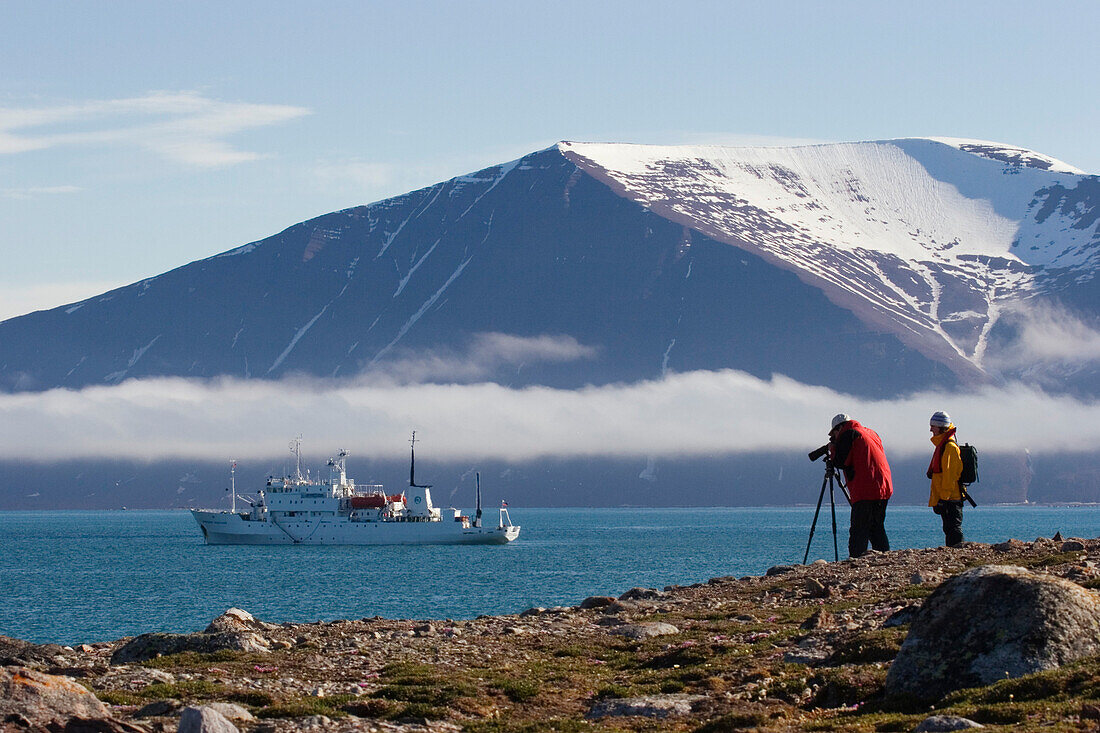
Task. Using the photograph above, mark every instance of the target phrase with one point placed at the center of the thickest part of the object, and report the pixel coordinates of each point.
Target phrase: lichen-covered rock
(991, 623)
(645, 630)
(653, 706)
(34, 700)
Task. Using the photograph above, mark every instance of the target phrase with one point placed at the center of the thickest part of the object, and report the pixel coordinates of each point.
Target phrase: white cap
(940, 419)
(840, 418)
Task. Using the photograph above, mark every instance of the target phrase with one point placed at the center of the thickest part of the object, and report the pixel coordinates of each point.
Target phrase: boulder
(235, 629)
(1073, 546)
(945, 723)
(645, 630)
(653, 706)
(597, 602)
(990, 623)
(235, 620)
(39, 701)
(230, 710)
(150, 646)
(205, 720)
(642, 594)
(19, 653)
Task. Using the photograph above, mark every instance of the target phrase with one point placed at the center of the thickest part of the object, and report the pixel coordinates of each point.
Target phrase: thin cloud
(32, 192)
(184, 127)
(1047, 335)
(484, 358)
(694, 413)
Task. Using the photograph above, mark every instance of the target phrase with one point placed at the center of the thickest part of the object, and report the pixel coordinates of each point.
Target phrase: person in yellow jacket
(945, 470)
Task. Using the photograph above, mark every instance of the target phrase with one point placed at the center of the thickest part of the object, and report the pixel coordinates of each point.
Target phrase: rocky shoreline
(804, 647)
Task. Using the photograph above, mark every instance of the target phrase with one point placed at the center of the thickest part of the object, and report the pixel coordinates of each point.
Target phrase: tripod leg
(832, 505)
(814, 525)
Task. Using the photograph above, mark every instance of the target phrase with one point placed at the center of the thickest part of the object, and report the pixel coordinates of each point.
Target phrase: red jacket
(858, 451)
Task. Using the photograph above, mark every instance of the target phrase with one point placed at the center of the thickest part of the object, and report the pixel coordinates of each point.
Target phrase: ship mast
(233, 484)
(296, 449)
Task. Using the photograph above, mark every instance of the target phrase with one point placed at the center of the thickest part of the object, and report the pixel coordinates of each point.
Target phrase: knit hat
(940, 419)
(840, 418)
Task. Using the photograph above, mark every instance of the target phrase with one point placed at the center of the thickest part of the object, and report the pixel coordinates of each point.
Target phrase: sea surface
(81, 576)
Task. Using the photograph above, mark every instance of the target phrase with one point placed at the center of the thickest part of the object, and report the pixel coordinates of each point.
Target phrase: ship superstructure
(300, 509)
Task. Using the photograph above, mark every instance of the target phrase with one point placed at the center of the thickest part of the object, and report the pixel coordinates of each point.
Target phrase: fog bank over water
(701, 413)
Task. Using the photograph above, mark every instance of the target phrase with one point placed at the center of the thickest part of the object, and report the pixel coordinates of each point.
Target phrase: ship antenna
(477, 516)
(233, 484)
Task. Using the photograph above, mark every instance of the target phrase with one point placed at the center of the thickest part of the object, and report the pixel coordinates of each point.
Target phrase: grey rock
(944, 723)
(811, 650)
(1009, 545)
(1073, 546)
(533, 611)
(645, 630)
(642, 594)
(653, 706)
(231, 710)
(150, 646)
(19, 653)
(779, 569)
(990, 623)
(205, 720)
(597, 601)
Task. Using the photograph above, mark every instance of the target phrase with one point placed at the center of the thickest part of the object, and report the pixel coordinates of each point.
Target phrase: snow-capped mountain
(872, 268)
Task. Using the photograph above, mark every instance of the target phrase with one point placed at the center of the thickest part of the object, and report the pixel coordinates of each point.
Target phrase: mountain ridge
(531, 247)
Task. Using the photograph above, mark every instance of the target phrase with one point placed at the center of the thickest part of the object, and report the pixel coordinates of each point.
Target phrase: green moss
(191, 660)
(255, 698)
(917, 591)
(421, 684)
(119, 697)
(519, 690)
(877, 645)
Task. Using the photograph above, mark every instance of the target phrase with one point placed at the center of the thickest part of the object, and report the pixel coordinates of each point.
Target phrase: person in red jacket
(857, 451)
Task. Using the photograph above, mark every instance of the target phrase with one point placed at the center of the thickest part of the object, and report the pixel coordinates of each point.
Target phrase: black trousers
(951, 512)
(868, 523)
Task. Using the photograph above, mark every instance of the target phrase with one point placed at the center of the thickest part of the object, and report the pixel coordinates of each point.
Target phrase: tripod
(831, 479)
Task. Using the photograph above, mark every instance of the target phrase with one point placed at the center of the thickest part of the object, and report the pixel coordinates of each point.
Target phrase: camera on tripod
(831, 480)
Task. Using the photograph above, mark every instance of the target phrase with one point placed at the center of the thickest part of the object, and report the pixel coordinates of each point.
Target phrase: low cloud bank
(694, 413)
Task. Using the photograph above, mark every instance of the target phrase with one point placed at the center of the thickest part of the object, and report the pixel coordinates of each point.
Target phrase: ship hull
(225, 528)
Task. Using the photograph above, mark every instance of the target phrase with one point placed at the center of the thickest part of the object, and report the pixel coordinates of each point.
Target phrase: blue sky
(138, 136)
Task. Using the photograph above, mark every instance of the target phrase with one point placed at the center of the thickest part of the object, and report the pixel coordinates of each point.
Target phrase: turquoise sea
(81, 576)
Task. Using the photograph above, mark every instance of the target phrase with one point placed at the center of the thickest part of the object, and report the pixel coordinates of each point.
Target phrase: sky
(136, 137)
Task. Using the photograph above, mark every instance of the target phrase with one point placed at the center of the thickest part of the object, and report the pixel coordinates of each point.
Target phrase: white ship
(304, 511)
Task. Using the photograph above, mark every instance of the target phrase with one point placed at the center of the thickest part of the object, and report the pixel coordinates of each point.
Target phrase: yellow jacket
(945, 485)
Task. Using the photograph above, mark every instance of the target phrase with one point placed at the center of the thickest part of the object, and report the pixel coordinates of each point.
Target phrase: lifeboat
(373, 501)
